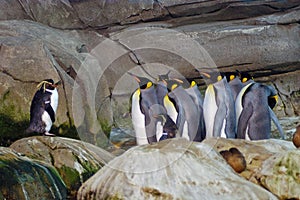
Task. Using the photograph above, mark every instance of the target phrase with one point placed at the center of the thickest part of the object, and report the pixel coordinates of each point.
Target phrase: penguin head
(230, 75)
(193, 83)
(164, 77)
(272, 96)
(47, 84)
(173, 84)
(245, 76)
(143, 82)
(212, 77)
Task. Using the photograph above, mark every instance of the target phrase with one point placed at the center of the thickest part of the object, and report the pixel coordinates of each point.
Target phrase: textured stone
(274, 164)
(179, 170)
(74, 160)
(281, 174)
(29, 48)
(23, 178)
(67, 14)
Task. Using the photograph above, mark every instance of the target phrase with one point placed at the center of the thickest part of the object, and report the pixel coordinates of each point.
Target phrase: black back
(41, 103)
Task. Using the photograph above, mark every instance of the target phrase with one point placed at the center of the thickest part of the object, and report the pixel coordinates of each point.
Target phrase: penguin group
(234, 106)
(43, 108)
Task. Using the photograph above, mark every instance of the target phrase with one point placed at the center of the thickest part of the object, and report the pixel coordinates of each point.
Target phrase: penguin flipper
(243, 122)
(50, 111)
(276, 122)
(219, 120)
(180, 122)
(201, 128)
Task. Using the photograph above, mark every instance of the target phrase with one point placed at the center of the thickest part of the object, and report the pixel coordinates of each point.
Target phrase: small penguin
(235, 159)
(296, 137)
(43, 108)
(253, 112)
(144, 107)
(169, 127)
(219, 107)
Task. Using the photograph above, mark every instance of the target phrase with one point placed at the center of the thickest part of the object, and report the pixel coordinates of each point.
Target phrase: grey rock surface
(171, 169)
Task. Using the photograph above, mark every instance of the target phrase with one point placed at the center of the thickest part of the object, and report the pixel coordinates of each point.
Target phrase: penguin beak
(205, 74)
(161, 118)
(178, 80)
(56, 84)
(165, 82)
(134, 76)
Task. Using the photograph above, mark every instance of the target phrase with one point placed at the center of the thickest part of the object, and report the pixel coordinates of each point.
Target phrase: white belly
(185, 132)
(238, 102)
(209, 110)
(54, 99)
(138, 120)
(223, 134)
(171, 110)
(247, 134)
(47, 120)
(159, 130)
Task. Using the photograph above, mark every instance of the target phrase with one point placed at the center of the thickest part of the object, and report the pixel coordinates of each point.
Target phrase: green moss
(121, 114)
(89, 170)
(36, 179)
(114, 197)
(12, 130)
(71, 177)
(106, 127)
(66, 130)
(12, 108)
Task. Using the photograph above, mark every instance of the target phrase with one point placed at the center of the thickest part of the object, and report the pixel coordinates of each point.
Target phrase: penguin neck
(51, 91)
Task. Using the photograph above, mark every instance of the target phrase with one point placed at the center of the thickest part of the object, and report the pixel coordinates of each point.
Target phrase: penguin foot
(48, 134)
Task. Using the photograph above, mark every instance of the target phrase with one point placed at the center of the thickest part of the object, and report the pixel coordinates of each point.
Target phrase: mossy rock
(29, 179)
(75, 161)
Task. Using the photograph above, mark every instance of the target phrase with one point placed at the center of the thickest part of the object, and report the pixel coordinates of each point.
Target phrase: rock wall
(61, 39)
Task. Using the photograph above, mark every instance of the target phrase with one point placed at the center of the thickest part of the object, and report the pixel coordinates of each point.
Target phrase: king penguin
(144, 109)
(43, 108)
(254, 113)
(218, 107)
(182, 109)
(161, 87)
(192, 89)
(234, 82)
(272, 97)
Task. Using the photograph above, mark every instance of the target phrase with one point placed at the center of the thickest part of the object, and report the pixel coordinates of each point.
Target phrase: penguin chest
(138, 119)
(47, 121)
(210, 109)
(53, 99)
(223, 134)
(185, 132)
(170, 107)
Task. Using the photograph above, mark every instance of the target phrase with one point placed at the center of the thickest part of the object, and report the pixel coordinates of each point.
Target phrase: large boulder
(280, 174)
(272, 163)
(74, 160)
(24, 178)
(171, 169)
